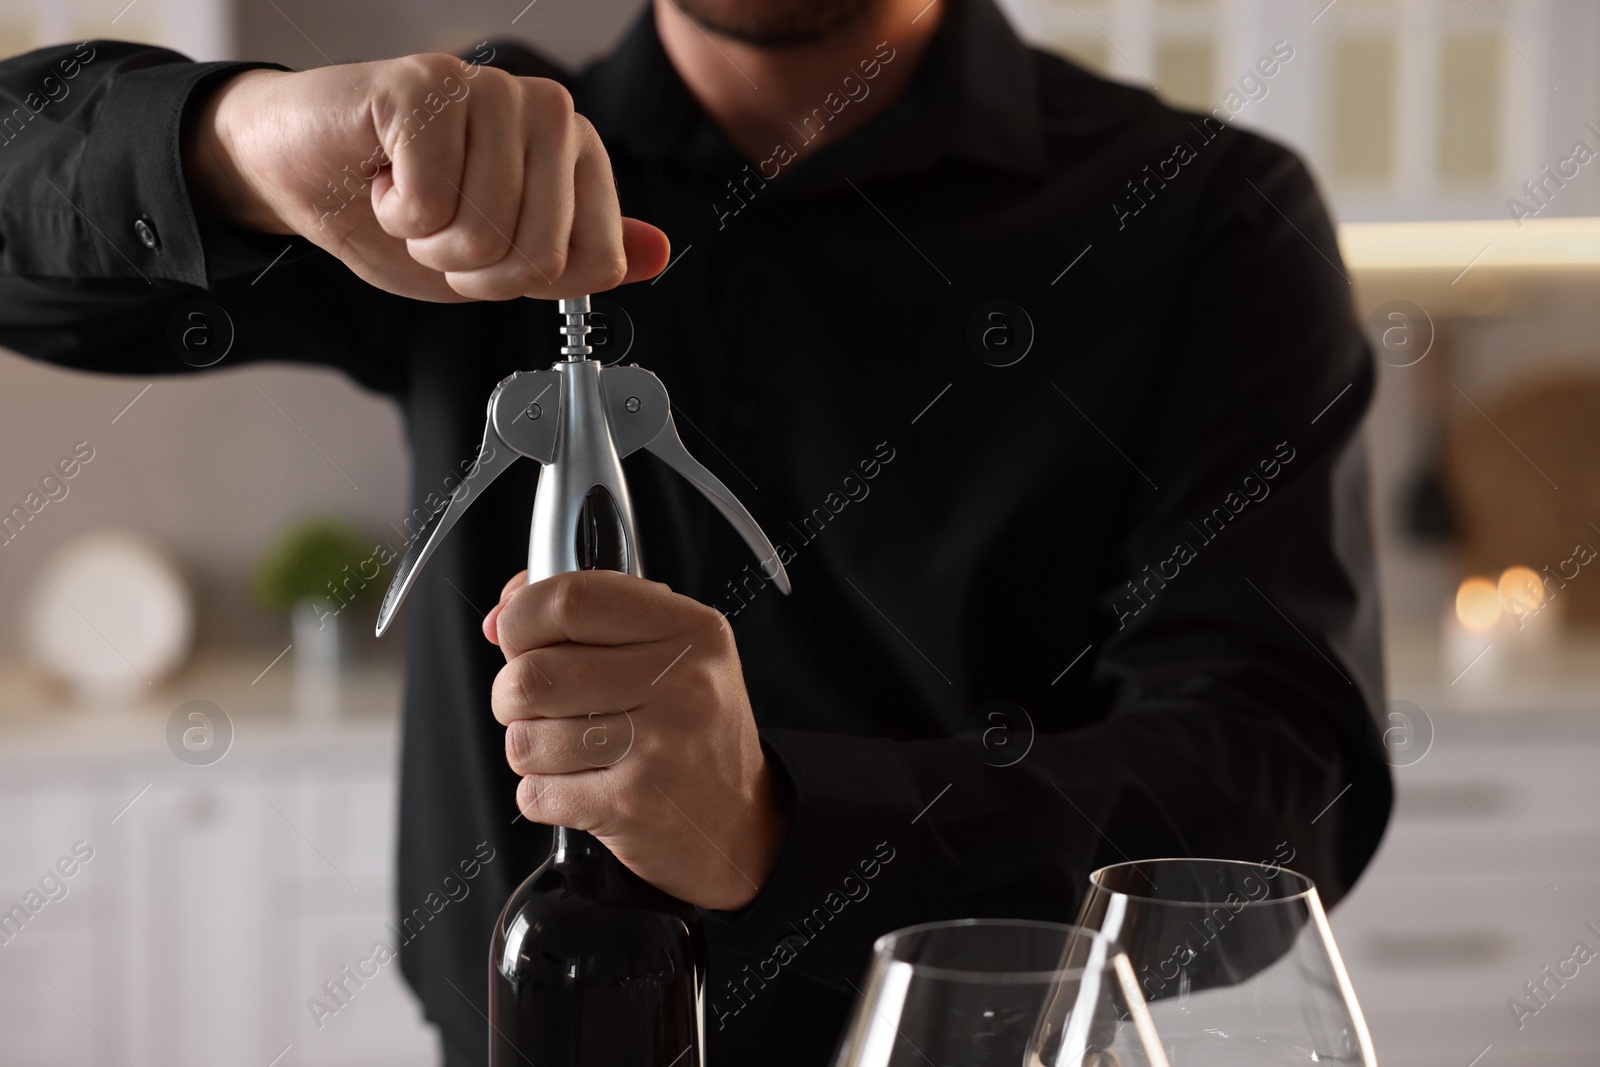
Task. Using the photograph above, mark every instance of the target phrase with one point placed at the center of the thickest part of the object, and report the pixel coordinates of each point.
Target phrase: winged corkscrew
(579, 420)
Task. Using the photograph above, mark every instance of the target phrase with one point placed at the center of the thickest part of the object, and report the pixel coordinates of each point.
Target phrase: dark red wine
(592, 966)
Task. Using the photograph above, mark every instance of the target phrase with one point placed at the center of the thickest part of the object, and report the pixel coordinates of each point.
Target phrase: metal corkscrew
(579, 420)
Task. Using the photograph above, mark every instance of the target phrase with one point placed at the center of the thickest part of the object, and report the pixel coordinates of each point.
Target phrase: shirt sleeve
(1244, 682)
(102, 247)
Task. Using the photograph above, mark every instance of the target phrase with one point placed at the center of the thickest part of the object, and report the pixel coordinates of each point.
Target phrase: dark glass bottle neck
(589, 869)
(575, 848)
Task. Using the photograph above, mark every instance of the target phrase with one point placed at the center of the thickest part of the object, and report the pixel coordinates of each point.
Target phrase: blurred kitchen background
(1454, 140)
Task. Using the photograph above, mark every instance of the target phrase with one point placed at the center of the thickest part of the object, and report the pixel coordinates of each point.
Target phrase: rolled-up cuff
(133, 188)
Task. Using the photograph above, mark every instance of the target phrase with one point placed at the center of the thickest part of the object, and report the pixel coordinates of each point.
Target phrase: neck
(574, 847)
(805, 95)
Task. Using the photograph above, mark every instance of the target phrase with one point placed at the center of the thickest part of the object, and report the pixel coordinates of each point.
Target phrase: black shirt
(1114, 599)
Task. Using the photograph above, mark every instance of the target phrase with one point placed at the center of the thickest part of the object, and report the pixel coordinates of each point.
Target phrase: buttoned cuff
(846, 870)
(135, 193)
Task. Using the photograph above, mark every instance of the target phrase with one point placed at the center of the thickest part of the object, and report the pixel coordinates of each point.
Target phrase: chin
(775, 22)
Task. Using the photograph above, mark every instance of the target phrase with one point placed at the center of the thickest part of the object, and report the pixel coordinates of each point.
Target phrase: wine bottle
(592, 966)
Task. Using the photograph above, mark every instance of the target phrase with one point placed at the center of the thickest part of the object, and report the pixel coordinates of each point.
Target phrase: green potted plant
(314, 571)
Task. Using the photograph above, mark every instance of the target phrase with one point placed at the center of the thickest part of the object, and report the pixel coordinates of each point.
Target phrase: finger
(382, 260)
(568, 746)
(491, 620)
(598, 608)
(648, 250)
(536, 259)
(576, 801)
(490, 187)
(426, 149)
(572, 680)
(596, 259)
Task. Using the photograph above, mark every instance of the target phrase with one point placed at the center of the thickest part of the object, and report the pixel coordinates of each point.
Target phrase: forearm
(217, 125)
(102, 164)
(886, 834)
(93, 176)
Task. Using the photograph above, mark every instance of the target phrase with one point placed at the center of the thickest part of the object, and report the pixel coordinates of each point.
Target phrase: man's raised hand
(429, 177)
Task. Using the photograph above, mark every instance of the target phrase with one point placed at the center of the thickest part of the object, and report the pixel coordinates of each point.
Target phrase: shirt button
(146, 230)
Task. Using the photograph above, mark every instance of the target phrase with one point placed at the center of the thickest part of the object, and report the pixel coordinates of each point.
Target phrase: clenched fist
(626, 714)
(429, 177)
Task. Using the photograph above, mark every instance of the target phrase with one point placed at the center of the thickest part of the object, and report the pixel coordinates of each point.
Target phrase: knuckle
(548, 103)
(503, 695)
(708, 626)
(545, 799)
(486, 288)
(567, 595)
(530, 677)
(587, 136)
(541, 266)
(418, 211)
(701, 686)
(512, 694)
(494, 80)
(481, 246)
(534, 800)
(611, 269)
(429, 68)
(519, 747)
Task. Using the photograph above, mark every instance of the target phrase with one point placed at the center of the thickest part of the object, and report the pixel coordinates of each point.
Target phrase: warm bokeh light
(1478, 603)
(1521, 590)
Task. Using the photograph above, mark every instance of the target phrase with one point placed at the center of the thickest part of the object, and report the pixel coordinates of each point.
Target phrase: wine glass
(999, 993)
(1235, 960)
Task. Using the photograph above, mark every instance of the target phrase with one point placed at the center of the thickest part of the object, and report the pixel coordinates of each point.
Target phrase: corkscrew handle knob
(575, 326)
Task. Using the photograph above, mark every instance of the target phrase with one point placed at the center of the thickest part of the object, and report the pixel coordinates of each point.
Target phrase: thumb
(648, 250)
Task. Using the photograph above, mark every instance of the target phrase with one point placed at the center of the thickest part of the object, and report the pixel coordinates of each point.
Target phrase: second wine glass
(1235, 960)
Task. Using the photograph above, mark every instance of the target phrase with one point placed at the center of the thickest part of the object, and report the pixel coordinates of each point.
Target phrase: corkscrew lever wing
(668, 447)
(578, 420)
(641, 417)
(495, 456)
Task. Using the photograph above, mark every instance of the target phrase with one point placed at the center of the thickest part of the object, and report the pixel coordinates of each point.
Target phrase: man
(1048, 393)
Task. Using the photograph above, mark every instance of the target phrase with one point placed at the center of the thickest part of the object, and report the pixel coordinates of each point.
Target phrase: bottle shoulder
(596, 880)
(550, 925)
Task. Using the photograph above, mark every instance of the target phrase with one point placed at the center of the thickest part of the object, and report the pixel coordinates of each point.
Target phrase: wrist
(772, 806)
(215, 155)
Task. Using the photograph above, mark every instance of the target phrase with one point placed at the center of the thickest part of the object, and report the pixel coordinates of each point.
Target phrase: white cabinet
(1489, 872)
(48, 960)
(1406, 109)
(214, 907)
